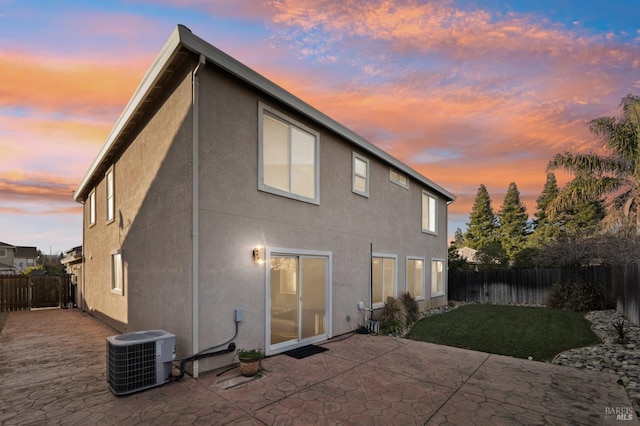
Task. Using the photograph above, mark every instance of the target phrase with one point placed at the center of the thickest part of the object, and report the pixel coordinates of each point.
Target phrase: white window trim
(92, 208)
(114, 288)
(262, 108)
(395, 277)
(110, 201)
(424, 274)
(365, 160)
(444, 277)
(3, 252)
(433, 231)
(397, 182)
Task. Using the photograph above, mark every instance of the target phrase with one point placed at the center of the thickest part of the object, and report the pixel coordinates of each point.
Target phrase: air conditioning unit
(139, 360)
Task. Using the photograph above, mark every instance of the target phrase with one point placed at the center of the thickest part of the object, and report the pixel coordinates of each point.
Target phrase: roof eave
(183, 37)
(157, 68)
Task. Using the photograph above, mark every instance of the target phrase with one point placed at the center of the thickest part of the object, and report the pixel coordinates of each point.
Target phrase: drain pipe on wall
(195, 199)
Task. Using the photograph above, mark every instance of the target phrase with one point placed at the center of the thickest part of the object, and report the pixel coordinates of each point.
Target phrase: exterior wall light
(259, 255)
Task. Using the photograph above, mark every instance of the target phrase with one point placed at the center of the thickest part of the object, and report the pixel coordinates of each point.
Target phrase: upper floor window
(92, 207)
(360, 181)
(428, 213)
(289, 157)
(110, 196)
(398, 179)
(3, 252)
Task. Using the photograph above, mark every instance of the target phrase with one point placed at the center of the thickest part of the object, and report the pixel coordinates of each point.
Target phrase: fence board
(14, 293)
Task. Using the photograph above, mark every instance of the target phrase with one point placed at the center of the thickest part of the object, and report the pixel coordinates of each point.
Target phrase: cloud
(67, 86)
(16, 187)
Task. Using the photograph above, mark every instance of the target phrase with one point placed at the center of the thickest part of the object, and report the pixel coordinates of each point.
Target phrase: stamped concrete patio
(52, 371)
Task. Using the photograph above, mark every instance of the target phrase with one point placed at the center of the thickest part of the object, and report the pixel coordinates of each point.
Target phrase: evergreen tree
(573, 221)
(513, 222)
(549, 193)
(481, 228)
(458, 239)
(545, 230)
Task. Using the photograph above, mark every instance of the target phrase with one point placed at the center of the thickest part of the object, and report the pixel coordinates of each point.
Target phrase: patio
(52, 364)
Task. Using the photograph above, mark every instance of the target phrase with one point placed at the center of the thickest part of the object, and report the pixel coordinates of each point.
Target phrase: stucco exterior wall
(153, 223)
(235, 217)
(152, 226)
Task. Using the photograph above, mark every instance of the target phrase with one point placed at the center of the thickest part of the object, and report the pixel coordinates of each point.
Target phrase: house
(72, 262)
(25, 258)
(470, 256)
(222, 206)
(7, 255)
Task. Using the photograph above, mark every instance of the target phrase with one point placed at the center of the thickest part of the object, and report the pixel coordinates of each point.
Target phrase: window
(398, 179)
(110, 200)
(3, 252)
(415, 277)
(360, 181)
(437, 277)
(116, 272)
(288, 157)
(92, 208)
(428, 213)
(383, 276)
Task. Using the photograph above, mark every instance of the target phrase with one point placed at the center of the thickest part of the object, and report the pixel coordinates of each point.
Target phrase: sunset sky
(465, 92)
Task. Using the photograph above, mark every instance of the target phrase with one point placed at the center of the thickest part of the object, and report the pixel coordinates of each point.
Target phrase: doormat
(305, 351)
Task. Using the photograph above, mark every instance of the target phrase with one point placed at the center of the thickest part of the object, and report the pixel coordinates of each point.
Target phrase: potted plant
(249, 361)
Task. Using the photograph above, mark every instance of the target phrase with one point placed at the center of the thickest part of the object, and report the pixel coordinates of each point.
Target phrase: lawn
(518, 331)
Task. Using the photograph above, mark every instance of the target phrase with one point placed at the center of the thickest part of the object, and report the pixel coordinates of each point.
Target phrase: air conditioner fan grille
(132, 367)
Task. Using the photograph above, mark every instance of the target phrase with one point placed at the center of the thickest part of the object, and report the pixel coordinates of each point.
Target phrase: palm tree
(616, 175)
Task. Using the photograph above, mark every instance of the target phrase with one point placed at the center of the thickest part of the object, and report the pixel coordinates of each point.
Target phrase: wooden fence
(532, 286)
(18, 292)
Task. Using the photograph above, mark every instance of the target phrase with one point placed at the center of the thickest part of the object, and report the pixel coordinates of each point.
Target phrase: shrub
(411, 308)
(622, 338)
(577, 295)
(392, 317)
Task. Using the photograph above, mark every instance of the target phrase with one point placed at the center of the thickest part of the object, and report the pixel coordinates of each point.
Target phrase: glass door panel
(313, 290)
(284, 299)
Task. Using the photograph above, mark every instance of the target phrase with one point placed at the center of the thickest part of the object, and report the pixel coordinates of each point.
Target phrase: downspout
(80, 303)
(195, 199)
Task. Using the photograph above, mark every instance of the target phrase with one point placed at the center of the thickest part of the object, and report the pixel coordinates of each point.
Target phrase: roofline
(183, 37)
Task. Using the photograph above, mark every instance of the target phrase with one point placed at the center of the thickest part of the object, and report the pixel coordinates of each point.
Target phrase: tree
(545, 231)
(481, 229)
(513, 219)
(458, 239)
(549, 193)
(617, 174)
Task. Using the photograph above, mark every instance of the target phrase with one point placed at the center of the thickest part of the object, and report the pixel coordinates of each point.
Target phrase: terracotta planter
(249, 366)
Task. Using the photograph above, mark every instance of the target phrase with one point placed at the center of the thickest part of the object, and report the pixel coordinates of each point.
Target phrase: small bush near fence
(578, 295)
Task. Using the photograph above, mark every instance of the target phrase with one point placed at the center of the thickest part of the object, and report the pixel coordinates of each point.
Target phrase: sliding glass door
(298, 299)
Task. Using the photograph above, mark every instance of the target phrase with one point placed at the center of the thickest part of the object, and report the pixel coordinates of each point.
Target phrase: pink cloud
(53, 84)
(23, 188)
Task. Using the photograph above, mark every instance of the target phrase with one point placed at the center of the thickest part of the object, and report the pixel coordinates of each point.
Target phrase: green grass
(3, 319)
(515, 331)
